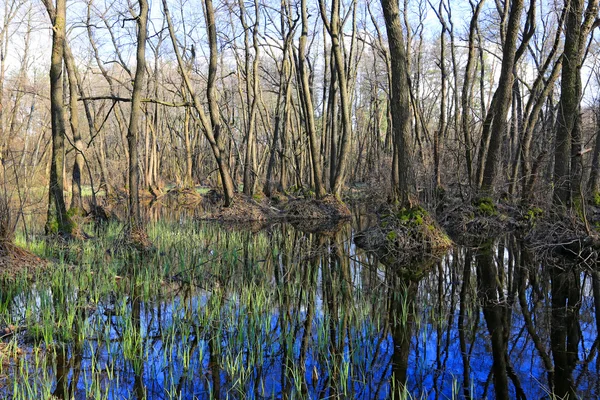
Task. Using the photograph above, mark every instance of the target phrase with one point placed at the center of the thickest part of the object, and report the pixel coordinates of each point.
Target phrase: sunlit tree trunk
(212, 126)
(307, 105)
(57, 219)
(76, 197)
(334, 27)
(136, 114)
(400, 99)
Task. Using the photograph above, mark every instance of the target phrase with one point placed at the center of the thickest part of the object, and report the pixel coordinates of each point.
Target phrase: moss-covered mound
(404, 234)
(470, 222)
(327, 208)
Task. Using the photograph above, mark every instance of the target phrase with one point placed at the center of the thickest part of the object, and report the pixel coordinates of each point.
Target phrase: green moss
(391, 236)
(414, 216)
(485, 206)
(52, 225)
(533, 213)
(596, 199)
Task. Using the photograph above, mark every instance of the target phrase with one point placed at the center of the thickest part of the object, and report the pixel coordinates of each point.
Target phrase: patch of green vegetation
(202, 190)
(52, 225)
(596, 199)
(485, 206)
(533, 214)
(309, 194)
(391, 236)
(414, 216)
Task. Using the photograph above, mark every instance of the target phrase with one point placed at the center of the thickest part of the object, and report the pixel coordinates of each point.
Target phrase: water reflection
(294, 312)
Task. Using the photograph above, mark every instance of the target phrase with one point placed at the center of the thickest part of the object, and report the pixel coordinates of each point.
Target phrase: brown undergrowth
(260, 208)
(9, 355)
(135, 238)
(565, 234)
(185, 196)
(306, 209)
(245, 209)
(15, 261)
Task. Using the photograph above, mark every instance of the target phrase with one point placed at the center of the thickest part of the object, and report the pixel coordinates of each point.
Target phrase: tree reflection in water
(298, 312)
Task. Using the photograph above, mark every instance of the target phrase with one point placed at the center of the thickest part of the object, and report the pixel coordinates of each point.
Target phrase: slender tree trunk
(307, 105)
(335, 32)
(466, 96)
(502, 96)
(136, 114)
(76, 198)
(212, 126)
(57, 220)
(593, 183)
(251, 91)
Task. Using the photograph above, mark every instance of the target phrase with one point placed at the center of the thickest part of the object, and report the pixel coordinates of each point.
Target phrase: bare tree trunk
(502, 96)
(593, 183)
(282, 107)
(136, 113)
(57, 220)
(466, 97)
(569, 145)
(249, 160)
(334, 28)
(211, 127)
(213, 106)
(76, 198)
(307, 105)
(400, 99)
(439, 135)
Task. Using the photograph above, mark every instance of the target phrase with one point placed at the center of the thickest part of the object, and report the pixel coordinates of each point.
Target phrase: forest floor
(16, 261)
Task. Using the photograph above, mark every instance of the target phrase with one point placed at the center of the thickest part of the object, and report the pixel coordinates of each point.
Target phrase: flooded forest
(299, 199)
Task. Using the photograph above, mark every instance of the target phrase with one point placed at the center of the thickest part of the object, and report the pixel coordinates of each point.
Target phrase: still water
(284, 311)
